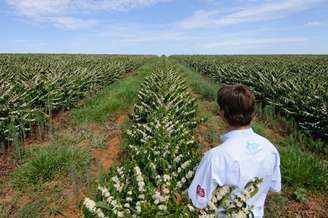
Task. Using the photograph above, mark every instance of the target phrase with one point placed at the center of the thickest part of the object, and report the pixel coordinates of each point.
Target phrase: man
(242, 156)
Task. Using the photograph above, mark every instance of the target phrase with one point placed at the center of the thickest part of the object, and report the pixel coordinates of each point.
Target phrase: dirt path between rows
(110, 154)
(105, 157)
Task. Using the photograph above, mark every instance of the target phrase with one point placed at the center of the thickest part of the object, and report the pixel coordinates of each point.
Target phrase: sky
(164, 26)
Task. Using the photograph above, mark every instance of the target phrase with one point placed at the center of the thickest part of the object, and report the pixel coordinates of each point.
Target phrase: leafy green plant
(299, 194)
(34, 87)
(295, 86)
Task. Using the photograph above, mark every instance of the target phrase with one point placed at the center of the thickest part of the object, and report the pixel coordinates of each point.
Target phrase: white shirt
(242, 156)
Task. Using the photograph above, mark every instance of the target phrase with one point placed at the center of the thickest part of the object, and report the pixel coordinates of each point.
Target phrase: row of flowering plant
(162, 155)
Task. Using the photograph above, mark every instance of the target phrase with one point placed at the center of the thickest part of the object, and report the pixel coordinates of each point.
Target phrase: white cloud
(266, 11)
(64, 13)
(313, 23)
(108, 5)
(73, 23)
(39, 8)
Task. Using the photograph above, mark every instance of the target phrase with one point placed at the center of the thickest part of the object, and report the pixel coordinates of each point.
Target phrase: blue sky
(164, 26)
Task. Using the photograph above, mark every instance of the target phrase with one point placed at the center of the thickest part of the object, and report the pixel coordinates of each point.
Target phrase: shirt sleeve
(207, 178)
(276, 177)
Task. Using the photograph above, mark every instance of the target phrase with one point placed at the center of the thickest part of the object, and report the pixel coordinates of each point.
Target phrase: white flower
(138, 208)
(127, 205)
(100, 213)
(240, 214)
(211, 205)
(185, 164)
(189, 174)
(120, 170)
(137, 169)
(153, 165)
(129, 193)
(243, 198)
(166, 191)
(109, 199)
(115, 179)
(214, 199)
(162, 207)
(251, 189)
(104, 191)
(166, 178)
(179, 184)
(225, 189)
(120, 214)
(183, 180)
(90, 204)
(142, 196)
(239, 204)
(114, 203)
(178, 158)
(191, 208)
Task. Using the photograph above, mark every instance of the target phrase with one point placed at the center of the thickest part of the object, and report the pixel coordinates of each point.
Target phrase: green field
(113, 129)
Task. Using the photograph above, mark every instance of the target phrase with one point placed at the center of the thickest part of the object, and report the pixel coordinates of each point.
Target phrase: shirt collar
(234, 133)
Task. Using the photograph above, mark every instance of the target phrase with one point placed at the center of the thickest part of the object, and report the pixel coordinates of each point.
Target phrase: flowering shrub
(161, 159)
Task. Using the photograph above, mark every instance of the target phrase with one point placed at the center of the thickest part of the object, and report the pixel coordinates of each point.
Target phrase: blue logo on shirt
(252, 147)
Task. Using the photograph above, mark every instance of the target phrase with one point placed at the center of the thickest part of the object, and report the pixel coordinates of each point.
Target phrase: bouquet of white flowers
(230, 201)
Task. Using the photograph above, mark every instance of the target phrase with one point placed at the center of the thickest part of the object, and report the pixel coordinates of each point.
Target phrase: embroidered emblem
(200, 191)
(253, 147)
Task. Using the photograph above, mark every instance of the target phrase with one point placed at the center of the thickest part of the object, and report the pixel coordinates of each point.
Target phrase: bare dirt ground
(110, 154)
(7, 162)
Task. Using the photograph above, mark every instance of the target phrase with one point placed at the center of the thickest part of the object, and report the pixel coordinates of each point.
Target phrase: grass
(206, 113)
(303, 169)
(30, 210)
(276, 207)
(45, 164)
(200, 84)
(3, 211)
(116, 97)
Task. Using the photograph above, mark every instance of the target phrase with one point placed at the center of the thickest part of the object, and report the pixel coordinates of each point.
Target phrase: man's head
(237, 105)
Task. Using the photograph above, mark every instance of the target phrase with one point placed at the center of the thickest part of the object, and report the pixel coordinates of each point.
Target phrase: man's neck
(231, 128)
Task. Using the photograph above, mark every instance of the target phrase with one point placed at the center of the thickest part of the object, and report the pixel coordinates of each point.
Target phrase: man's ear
(221, 114)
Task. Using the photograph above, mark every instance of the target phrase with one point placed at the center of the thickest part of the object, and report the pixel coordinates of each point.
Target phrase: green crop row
(297, 86)
(32, 87)
(161, 160)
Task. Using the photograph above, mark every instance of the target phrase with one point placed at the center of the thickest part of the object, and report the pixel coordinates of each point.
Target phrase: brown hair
(238, 104)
